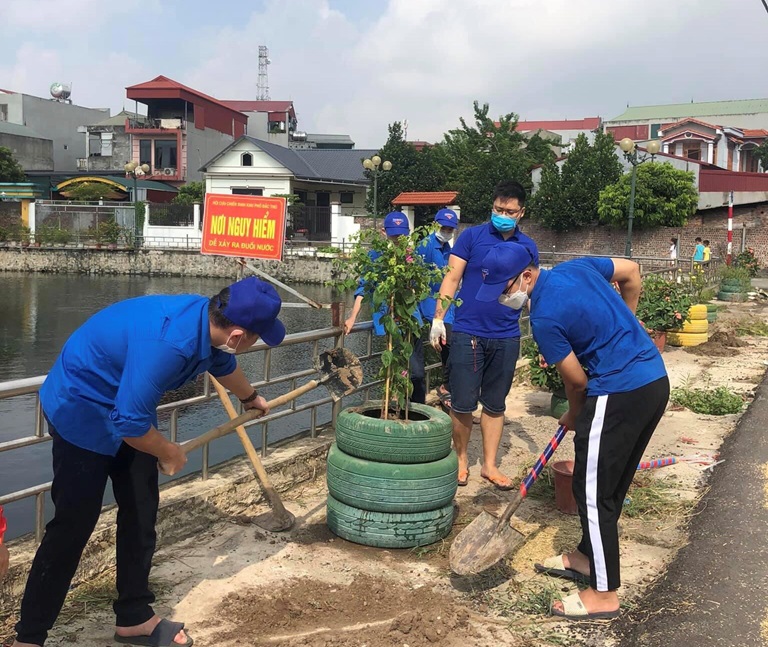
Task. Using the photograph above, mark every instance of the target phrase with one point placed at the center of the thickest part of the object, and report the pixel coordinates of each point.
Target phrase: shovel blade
(340, 371)
(482, 544)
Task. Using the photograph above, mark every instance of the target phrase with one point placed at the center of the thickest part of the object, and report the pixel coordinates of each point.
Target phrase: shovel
(340, 372)
(490, 537)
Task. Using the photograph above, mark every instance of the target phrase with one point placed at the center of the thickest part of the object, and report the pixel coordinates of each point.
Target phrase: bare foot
(16, 643)
(147, 628)
(594, 601)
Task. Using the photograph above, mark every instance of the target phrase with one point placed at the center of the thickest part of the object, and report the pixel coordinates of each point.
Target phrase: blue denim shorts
(481, 370)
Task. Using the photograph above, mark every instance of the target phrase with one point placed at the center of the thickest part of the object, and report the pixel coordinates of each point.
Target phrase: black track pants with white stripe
(612, 432)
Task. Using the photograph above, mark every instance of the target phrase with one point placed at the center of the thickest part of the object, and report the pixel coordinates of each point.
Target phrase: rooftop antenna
(405, 129)
(262, 87)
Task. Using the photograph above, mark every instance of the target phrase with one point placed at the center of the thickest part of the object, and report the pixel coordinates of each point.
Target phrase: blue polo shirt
(113, 370)
(575, 308)
(436, 253)
(483, 318)
(698, 252)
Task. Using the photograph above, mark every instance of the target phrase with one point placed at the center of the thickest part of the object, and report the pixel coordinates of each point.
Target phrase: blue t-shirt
(575, 308)
(436, 253)
(698, 253)
(113, 370)
(483, 318)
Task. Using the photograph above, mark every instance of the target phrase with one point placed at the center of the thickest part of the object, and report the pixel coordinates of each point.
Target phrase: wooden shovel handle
(251, 414)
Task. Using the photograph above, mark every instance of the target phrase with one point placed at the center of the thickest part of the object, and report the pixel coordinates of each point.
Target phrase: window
(106, 144)
(346, 197)
(246, 159)
(165, 153)
(655, 128)
(3, 112)
(247, 191)
(145, 151)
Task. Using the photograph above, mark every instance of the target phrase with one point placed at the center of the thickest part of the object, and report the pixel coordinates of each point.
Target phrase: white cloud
(59, 16)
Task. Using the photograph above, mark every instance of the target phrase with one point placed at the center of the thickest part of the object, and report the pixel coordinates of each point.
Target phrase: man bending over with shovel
(578, 319)
(100, 401)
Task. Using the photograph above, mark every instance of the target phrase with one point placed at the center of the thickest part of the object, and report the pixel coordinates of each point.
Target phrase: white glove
(437, 334)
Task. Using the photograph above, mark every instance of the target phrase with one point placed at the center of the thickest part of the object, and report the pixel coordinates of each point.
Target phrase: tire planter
(686, 339)
(734, 297)
(732, 283)
(733, 289)
(696, 326)
(711, 317)
(394, 441)
(389, 487)
(697, 312)
(388, 530)
(558, 405)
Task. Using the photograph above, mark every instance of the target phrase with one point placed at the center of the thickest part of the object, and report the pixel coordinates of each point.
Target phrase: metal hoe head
(340, 371)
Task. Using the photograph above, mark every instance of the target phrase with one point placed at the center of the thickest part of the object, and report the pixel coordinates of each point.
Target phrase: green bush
(739, 273)
(713, 402)
(543, 375)
(747, 261)
(663, 303)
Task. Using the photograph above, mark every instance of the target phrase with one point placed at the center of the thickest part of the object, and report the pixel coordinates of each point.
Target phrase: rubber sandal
(574, 609)
(554, 567)
(161, 636)
(463, 481)
(444, 396)
(499, 485)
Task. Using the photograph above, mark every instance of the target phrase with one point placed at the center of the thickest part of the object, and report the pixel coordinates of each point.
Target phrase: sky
(354, 66)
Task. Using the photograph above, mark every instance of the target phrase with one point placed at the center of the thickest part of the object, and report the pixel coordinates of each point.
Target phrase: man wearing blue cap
(579, 319)
(485, 339)
(435, 249)
(395, 224)
(100, 401)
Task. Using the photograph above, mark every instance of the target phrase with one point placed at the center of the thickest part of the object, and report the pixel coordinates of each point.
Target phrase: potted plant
(663, 307)
(735, 282)
(61, 237)
(110, 232)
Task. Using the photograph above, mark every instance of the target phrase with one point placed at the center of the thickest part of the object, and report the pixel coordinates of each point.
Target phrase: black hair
(706, 242)
(509, 189)
(698, 239)
(674, 240)
(215, 306)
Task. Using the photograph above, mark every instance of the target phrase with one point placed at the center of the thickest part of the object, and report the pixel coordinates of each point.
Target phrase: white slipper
(555, 567)
(574, 609)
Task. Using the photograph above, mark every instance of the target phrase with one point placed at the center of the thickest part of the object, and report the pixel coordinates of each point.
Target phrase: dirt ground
(306, 588)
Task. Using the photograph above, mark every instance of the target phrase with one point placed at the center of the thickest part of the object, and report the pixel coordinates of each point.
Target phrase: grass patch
(653, 498)
(543, 487)
(533, 597)
(714, 402)
(752, 327)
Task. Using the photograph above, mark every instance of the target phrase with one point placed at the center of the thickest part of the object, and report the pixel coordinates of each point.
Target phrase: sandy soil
(306, 588)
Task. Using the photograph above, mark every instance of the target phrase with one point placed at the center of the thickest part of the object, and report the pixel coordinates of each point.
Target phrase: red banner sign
(244, 225)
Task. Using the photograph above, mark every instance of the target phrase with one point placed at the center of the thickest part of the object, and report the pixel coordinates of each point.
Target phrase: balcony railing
(155, 123)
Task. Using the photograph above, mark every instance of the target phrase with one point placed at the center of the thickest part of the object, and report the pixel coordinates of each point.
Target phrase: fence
(61, 223)
(171, 215)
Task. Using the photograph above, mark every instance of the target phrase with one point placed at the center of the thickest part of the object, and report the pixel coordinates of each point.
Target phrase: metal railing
(288, 381)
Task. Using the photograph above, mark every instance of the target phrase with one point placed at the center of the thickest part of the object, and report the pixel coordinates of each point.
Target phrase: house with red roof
(567, 129)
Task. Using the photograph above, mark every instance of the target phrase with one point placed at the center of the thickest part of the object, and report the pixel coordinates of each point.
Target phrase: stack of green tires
(391, 483)
(712, 312)
(732, 290)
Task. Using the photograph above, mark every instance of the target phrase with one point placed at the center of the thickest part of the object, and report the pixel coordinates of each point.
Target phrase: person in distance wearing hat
(435, 249)
(579, 319)
(395, 224)
(100, 400)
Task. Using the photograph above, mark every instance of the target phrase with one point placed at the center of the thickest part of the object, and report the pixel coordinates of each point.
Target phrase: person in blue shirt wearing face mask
(485, 339)
(435, 249)
(100, 400)
(578, 319)
(395, 224)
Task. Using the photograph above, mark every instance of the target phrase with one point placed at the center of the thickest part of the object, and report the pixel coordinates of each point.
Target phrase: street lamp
(635, 159)
(130, 169)
(376, 167)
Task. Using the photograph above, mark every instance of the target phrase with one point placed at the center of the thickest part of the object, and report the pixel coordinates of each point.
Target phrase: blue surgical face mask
(502, 223)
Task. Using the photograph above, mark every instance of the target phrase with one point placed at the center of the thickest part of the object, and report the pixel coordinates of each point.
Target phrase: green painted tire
(736, 283)
(712, 317)
(394, 441)
(733, 289)
(736, 297)
(712, 307)
(388, 530)
(389, 487)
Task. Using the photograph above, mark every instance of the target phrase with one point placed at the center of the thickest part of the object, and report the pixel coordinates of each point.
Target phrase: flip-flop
(499, 485)
(574, 609)
(463, 481)
(554, 567)
(161, 636)
(444, 396)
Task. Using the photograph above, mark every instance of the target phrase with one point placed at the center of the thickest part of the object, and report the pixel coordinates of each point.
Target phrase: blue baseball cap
(254, 305)
(396, 224)
(503, 262)
(447, 218)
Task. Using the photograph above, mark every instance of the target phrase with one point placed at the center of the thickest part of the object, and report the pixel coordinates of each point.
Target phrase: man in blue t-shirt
(436, 249)
(579, 319)
(485, 339)
(100, 401)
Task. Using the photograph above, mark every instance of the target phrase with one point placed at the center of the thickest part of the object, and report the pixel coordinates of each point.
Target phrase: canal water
(38, 312)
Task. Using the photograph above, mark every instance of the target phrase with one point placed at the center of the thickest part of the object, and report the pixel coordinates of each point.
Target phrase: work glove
(437, 334)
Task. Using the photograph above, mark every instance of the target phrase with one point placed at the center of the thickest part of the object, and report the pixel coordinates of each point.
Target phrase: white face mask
(516, 300)
(226, 348)
(443, 238)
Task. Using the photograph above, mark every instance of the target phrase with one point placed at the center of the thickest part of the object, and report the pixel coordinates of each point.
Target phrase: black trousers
(418, 374)
(612, 432)
(79, 481)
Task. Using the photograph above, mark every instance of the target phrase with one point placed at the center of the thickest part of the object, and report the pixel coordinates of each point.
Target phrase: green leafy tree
(539, 151)
(546, 205)
(190, 193)
(761, 154)
(10, 169)
(477, 157)
(87, 191)
(664, 197)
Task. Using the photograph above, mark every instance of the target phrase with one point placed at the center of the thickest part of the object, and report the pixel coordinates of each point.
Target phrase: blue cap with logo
(502, 262)
(396, 224)
(254, 305)
(447, 218)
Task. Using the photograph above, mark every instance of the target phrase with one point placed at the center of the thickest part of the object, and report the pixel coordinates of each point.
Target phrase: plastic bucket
(564, 487)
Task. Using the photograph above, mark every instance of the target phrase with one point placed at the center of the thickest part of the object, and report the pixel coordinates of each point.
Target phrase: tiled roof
(588, 123)
(750, 133)
(426, 198)
(704, 109)
(691, 121)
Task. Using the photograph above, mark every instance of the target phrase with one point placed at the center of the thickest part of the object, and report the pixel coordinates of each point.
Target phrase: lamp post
(376, 167)
(130, 169)
(635, 159)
